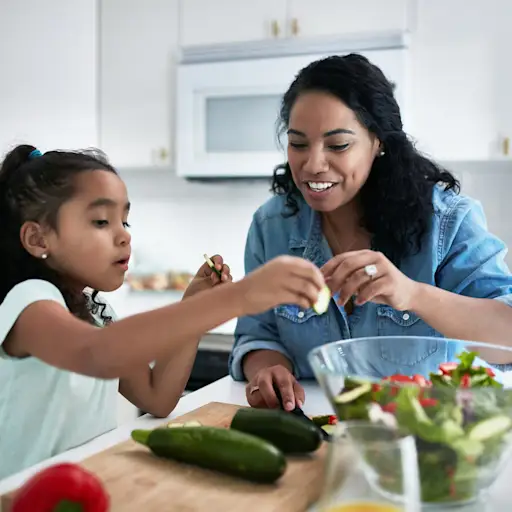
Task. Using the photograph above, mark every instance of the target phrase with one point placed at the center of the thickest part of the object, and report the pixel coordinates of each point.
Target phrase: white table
(228, 391)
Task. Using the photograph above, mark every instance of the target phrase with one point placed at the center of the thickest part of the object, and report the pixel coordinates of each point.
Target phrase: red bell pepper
(333, 420)
(447, 368)
(376, 388)
(62, 488)
(428, 402)
(422, 381)
(489, 371)
(399, 378)
(391, 407)
(465, 382)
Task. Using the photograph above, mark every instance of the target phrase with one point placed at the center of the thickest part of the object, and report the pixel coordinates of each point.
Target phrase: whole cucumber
(221, 449)
(289, 433)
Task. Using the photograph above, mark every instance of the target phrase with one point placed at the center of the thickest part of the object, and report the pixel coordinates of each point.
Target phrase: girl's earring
(44, 256)
(382, 152)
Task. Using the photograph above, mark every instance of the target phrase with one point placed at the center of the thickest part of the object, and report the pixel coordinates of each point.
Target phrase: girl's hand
(370, 277)
(206, 278)
(283, 280)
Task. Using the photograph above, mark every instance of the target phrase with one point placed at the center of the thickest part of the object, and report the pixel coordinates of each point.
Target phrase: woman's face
(329, 151)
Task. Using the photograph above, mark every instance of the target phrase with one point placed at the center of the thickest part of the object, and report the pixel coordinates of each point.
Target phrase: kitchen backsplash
(174, 222)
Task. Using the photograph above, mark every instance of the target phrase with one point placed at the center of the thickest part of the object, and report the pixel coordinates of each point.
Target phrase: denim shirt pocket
(391, 322)
(294, 313)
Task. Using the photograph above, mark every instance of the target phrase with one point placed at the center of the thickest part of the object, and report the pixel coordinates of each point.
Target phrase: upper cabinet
(138, 51)
(205, 22)
(460, 106)
(48, 66)
(327, 17)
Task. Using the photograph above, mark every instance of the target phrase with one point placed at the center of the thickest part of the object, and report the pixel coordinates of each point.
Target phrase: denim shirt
(457, 254)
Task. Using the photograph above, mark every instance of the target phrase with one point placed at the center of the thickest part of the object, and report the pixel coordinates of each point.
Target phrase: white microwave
(227, 107)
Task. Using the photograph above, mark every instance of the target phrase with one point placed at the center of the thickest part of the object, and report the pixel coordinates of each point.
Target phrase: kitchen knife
(300, 413)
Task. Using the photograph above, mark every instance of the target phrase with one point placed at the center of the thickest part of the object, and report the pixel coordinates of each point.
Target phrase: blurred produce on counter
(159, 281)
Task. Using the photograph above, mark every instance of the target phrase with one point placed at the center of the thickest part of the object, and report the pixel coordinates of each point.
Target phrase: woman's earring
(382, 152)
(44, 256)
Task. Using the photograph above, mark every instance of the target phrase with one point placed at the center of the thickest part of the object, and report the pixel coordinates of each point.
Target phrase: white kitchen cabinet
(138, 51)
(503, 81)
(460, 99)
(48, 74)
(306, 18)
(225, 21)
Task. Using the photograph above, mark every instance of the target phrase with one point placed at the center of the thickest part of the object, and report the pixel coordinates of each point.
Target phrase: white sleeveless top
(44, 410)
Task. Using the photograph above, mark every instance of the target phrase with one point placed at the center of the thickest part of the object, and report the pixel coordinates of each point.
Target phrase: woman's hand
(282, 280)
(206, 278)
(371, 277)
(260, 389)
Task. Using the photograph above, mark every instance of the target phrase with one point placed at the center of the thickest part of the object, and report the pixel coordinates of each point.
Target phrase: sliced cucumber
(328, 428)
(349, 396)
(192, 423)
(322, 303)
(322, 420)
(490, 427)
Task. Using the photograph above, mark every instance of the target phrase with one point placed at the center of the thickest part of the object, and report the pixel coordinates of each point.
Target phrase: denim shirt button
(300, 314)
(406, 316)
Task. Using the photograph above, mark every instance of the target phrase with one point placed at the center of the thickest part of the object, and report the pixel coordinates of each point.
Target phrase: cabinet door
(503, 78)
(328, 17)
(226, 21)
(454, 72)
(138, 46)
(48, 74)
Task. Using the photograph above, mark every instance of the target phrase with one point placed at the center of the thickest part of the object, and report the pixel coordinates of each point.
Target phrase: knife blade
(297, 411)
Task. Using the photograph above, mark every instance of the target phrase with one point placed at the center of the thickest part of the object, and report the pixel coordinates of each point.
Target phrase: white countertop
(228, 391)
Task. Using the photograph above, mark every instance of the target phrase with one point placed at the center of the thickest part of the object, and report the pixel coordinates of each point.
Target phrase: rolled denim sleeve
(254, 332)
(473, 259)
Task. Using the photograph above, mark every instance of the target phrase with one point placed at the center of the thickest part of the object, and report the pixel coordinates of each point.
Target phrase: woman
(401, 251)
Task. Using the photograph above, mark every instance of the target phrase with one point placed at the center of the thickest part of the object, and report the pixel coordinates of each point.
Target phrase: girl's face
(91, 245)
(330, 152)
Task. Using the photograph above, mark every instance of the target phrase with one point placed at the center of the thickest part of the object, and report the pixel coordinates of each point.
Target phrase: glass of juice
(362, 457)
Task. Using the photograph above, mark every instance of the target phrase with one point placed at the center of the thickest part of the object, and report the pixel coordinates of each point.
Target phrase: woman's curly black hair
(34, 189)
(397, 196)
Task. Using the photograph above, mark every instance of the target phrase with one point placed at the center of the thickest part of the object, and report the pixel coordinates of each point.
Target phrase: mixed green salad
(461, 418)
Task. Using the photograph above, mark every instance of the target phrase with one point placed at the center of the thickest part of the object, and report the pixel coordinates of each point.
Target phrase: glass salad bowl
(442, 392)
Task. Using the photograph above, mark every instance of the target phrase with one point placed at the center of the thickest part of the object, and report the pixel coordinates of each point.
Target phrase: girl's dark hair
(33, 187)
(397, 196)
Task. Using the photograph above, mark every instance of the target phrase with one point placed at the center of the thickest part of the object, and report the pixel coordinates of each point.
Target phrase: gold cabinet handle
(506, 145)
(275, 28)
(295, 26)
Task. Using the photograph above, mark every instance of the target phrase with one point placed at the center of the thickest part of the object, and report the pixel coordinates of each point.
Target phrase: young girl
(63, 229)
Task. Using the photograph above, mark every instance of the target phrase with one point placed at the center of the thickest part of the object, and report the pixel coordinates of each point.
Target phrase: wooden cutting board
(136, 480)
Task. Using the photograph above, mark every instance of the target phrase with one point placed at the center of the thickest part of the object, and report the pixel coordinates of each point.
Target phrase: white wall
(48, 73)
(174, 222)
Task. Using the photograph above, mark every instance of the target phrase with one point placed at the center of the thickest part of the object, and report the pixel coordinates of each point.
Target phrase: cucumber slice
(329, 428)
(322, 303)
(192, 423)
(350, 396)
(490, 427)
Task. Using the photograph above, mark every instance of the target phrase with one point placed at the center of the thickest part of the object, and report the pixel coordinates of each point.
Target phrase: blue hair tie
(35, 153)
